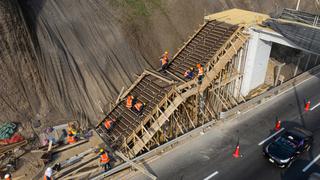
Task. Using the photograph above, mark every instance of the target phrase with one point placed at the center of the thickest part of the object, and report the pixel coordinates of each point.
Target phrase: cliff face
(79, 53)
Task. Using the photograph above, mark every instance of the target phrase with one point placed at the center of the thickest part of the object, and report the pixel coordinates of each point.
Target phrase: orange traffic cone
(236, 153)
(278, 125)
(307, 106)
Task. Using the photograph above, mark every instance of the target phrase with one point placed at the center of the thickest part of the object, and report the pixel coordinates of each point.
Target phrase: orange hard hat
(198, 65)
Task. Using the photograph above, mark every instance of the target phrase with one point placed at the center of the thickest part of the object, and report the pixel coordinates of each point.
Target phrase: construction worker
(48, 174)
(71, 138)
(164, 61)
(7, 177)
(138, 107)
(109, 123)
(104, 160)
(200, 73)
(189, 73)
(130, 101)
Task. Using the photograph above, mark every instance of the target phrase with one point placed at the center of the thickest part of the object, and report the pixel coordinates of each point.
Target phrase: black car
(285, 148)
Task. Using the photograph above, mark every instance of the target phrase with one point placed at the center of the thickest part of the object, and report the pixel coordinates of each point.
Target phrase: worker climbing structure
(174, 104)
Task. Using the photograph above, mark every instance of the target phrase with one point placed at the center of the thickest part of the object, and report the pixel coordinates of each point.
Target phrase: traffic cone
(236, 153)
(307, 106)
(278, 125)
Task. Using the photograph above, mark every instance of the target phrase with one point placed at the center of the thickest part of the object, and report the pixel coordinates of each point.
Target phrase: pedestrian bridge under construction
(234, 49)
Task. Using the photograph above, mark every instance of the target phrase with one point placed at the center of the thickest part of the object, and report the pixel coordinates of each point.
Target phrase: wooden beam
(136, 166)
(69, 146)
(119, 96)
(156, 74)
(172, 74)
(188, 116)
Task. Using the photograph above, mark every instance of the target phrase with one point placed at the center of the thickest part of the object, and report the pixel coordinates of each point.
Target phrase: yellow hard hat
(166, 52)
(101, 150)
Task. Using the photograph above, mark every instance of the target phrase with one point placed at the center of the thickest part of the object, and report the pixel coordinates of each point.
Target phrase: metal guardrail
(269, 94)
(227, 115)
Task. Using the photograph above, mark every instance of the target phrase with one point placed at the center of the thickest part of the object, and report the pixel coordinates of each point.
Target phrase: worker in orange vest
(130, 101)
(48, 174)
(164, 60)
(71, 138)
(189, 73)
(105, 160)
(108, 123)
(138, 107)
(7, 177)
(200, 73)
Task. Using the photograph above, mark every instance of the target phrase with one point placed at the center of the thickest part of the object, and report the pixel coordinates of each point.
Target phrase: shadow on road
(295, 171)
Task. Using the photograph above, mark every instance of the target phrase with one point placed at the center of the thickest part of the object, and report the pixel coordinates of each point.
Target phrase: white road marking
(262, 142)
(311, 163)
(315, 106)
(211, 175)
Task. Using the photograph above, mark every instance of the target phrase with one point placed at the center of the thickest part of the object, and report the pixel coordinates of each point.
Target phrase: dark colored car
(287, 146)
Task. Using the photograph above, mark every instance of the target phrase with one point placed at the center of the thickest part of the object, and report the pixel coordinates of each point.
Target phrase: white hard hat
(48, 172)
(7, 176)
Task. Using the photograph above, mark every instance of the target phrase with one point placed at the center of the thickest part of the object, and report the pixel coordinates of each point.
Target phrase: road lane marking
(311, 163)
(315, 106)
(262, 142)
(211, 175)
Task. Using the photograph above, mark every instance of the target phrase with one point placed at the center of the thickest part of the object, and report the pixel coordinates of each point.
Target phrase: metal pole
(297, 67)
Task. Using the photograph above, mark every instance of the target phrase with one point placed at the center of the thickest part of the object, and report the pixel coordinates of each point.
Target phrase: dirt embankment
(83, 52)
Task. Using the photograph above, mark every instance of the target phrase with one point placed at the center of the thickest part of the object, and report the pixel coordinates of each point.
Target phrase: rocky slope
(70, 58)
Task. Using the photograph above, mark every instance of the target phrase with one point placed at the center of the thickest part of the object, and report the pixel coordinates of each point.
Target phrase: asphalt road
(209, 156)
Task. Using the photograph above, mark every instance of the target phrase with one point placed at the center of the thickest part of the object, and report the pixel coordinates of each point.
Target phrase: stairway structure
(176, 105)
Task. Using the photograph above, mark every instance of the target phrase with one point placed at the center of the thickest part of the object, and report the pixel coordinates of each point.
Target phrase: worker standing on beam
(164, 60)
(109, 123)
(71, 138)
(48, 174)
(189, 73)
(131, 101)
(200, 73)
(105, 160)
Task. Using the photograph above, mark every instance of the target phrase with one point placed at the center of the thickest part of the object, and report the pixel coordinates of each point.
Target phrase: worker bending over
(131, 101)
(138, 107)
(164, 61)
(104, 160)
(200, 73)
(109, 123)
(71, 138)
(189, 73)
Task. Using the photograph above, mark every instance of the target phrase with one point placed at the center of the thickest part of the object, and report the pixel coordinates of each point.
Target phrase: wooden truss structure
(175, 105)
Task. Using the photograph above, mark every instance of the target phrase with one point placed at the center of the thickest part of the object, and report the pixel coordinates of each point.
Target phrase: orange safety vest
(200, 73)
(8, 178)
(138, 106)
(71, 139)
(129, 101)
(164, 60)
(104, 158)
(46, 178)
(108, 123)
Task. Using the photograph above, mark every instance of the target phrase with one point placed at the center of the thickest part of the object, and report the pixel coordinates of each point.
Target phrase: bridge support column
(256, 64)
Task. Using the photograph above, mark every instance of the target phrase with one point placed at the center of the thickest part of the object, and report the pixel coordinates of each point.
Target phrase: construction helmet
(198, 65)
(191, 69)
(7, 176)
(101, 150)
(166, 52)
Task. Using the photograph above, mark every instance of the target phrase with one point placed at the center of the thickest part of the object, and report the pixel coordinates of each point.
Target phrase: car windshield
(288, 142)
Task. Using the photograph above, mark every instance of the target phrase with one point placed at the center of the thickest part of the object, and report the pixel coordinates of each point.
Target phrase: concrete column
(256, 63)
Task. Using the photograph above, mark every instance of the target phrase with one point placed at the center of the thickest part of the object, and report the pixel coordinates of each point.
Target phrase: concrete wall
(258, 53)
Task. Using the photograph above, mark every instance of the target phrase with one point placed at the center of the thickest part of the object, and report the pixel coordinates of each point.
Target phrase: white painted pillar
(256, 63)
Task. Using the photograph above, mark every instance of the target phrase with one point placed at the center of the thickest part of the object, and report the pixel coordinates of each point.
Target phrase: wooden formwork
(175, 107)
